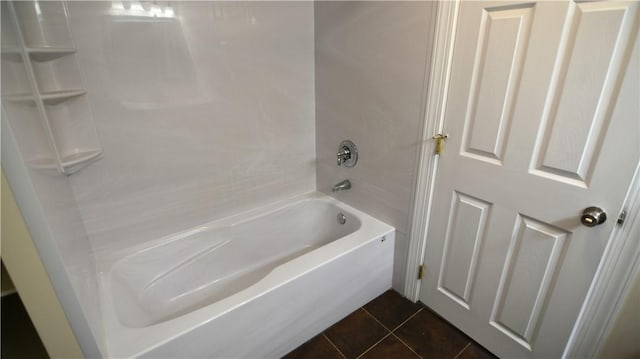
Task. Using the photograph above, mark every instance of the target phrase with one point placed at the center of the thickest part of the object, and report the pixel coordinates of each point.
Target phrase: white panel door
(543, 121)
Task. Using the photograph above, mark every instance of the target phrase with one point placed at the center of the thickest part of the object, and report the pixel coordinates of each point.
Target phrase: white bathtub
(252, 285)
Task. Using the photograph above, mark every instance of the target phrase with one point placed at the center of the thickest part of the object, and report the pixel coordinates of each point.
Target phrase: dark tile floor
(391, 326)
(18, 336)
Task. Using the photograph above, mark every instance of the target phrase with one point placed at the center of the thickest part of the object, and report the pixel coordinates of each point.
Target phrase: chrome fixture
(342, 219)
(593, 216)
(347, 154)
(341, 186)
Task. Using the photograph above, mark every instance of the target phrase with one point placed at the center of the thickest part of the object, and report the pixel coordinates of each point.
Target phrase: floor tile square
(390, 347)
(391, 309)
(317, 347)
(431, 336)
(356, 333)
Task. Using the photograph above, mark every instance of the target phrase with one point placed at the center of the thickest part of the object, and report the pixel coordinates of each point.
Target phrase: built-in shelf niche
(43, 91)
(55, 73)
(44, 24)
(15, 81)
(32, 136)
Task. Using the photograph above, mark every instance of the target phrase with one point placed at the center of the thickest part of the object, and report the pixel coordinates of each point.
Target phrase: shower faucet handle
(344, 154)
(347, 154)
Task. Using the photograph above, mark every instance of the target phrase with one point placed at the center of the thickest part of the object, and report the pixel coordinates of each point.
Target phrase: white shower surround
(244, 103)
(201, 115)
(318, 271)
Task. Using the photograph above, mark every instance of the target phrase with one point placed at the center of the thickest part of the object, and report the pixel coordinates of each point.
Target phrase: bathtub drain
(341, 218)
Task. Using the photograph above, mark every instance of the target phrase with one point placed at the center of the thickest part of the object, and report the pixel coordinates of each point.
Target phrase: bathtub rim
(107, 259)
(230, 221)
(120, 269)
(123, 342)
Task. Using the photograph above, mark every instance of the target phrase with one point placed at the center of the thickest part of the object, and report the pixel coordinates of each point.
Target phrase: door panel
(465, 233)
(504, 34)
(582, 93)
(535, 250)
(542, 119)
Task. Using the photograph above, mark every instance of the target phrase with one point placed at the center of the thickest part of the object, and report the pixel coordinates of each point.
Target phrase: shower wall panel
(204, 109)
(371, 59)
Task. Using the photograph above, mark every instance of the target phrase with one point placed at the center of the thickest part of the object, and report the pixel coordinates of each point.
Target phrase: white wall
(200, 116)
(371, 59)
(623, 341)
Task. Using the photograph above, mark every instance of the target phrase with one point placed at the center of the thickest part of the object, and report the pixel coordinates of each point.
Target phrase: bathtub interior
(195, 268)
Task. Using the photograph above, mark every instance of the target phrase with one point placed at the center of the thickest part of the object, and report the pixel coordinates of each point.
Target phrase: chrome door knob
(593, 216)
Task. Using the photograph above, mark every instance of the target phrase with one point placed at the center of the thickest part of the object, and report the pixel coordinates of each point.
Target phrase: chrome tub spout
(341, 186)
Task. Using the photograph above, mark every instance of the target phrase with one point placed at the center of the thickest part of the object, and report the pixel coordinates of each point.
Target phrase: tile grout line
(407, 345)
(381, 339)
(408, 319)
(403, 323)
(397, 326)
(376, 319)
(471, 341)
(391, 332)
(463, 349)
(371, 347)
(333, 345)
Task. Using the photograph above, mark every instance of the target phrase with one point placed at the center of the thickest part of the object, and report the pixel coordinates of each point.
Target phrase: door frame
(621, 257)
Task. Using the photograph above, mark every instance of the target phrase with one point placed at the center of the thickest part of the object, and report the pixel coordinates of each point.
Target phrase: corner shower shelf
(46, 100)
(49, 98)
(56, 97)
(42, 54)
(73, 162)
(70, 163)
(19, 98)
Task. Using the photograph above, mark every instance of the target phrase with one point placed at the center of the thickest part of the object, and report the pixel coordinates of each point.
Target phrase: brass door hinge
(420, 271)
(440, 138)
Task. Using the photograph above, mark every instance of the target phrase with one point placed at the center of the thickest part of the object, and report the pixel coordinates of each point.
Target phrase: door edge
(611, 282)
(446, 20)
